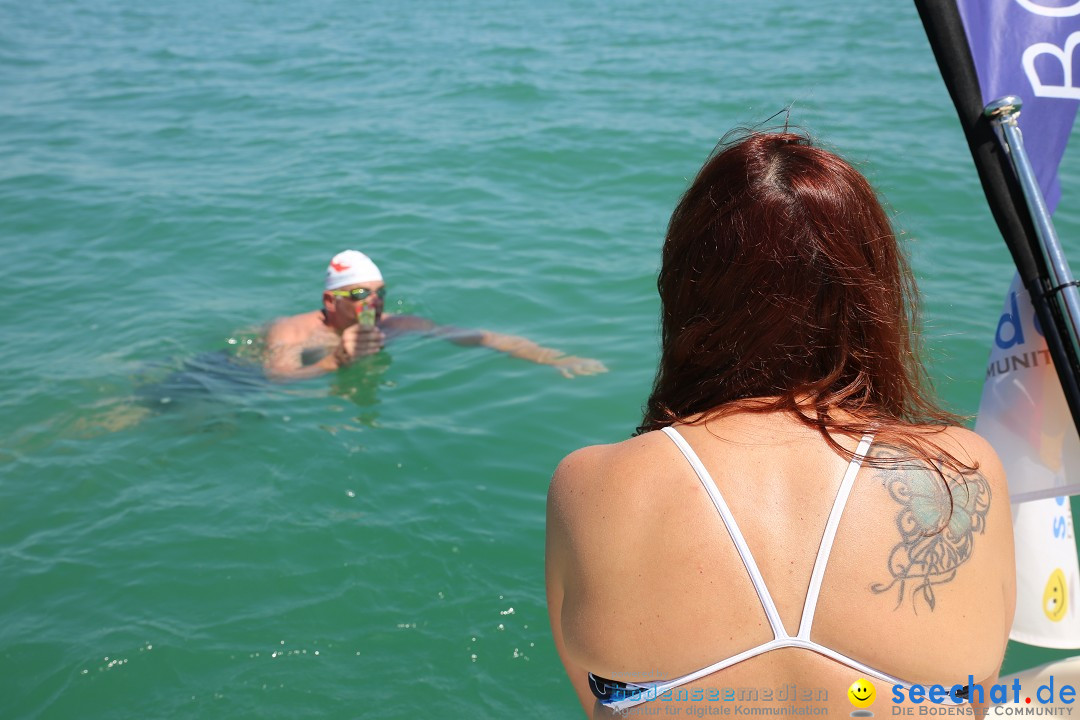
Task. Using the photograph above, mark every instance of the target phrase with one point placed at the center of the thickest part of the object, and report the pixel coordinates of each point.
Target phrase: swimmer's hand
(358, 341)
(571, 365)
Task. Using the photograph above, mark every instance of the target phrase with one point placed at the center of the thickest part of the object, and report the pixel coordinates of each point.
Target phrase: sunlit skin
(330, 338)
(861, 693)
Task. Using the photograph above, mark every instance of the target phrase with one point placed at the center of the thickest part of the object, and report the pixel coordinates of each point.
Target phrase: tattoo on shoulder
(937, 524)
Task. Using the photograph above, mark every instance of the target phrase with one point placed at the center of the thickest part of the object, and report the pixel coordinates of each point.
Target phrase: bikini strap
(825, 548)
(733, 529)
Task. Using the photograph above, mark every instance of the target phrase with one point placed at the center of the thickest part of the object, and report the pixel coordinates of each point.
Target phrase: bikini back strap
(733, 530)
(827, 538)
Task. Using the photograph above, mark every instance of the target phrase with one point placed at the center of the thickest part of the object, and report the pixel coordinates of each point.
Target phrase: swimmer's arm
(512, 345)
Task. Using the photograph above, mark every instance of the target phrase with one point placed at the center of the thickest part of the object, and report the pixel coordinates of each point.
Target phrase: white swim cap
(351, 267)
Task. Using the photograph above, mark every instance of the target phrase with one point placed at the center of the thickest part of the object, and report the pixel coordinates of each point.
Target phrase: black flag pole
(945, 30)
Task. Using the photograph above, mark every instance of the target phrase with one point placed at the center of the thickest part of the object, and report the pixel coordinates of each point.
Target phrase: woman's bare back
(655, 588)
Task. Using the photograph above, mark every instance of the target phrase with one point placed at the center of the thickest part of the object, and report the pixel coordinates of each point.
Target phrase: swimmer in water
(352, 324)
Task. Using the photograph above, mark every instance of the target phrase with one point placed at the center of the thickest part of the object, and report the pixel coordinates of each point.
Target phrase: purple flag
(1028, 48)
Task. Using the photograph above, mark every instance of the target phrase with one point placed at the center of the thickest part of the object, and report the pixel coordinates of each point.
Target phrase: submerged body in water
(209, 375)
(208, 379)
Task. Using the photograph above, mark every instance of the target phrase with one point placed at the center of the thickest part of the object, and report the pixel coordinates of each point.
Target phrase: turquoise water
(173, 176)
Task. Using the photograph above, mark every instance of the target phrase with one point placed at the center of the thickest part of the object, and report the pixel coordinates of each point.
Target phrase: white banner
(1023, 412)
(1046, 575)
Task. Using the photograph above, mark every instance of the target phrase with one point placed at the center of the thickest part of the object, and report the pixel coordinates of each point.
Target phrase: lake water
(181, 539)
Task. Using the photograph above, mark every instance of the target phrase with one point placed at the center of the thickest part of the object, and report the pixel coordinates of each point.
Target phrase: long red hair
(782, 283)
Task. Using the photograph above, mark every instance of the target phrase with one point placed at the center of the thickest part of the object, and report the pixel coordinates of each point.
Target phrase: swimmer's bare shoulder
(288, 337)
(293, 329)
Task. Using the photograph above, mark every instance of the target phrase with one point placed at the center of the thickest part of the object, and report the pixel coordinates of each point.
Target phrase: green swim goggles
(359, 294)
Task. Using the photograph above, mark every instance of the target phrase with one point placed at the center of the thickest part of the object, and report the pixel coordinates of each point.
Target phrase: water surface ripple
(182, 539)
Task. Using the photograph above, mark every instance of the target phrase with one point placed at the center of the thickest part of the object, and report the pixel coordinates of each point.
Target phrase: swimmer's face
(345, 307)
(861, 693)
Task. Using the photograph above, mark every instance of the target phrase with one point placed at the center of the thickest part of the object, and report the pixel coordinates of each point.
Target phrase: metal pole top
(1004, 109)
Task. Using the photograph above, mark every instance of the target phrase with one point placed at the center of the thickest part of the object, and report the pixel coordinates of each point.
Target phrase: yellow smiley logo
(1055, 599)
(861, 693)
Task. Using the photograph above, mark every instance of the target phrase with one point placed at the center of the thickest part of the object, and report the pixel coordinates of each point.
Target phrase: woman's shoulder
(946, 476)
(598, 475)
(972, 452)
(930, 551)
(613, 460)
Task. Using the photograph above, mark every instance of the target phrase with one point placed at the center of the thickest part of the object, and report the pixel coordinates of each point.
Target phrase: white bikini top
(637, 693)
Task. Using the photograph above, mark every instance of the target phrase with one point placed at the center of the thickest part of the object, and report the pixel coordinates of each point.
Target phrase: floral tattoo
(937, 525)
